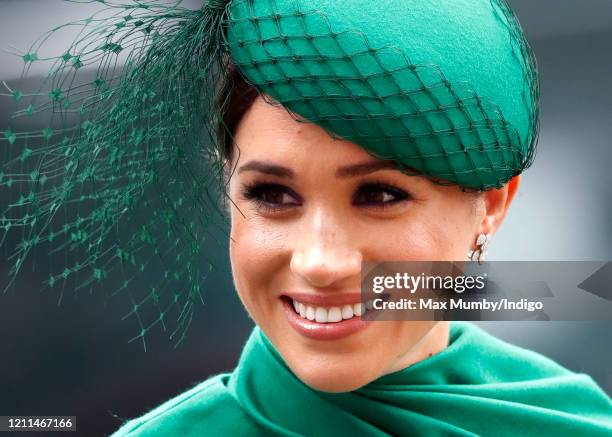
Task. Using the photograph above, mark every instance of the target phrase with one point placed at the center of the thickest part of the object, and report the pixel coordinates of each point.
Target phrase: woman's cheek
(440, 229)
(409, 239)
(256, 258)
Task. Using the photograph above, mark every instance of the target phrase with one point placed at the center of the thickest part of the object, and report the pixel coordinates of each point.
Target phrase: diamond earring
(482, 241)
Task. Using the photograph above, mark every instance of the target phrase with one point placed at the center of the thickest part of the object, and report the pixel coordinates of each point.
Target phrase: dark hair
(234, 98)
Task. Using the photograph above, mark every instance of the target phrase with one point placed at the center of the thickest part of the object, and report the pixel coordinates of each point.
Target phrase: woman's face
(308, 209)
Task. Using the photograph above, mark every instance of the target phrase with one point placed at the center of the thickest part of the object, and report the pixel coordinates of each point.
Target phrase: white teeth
(334, 314)
(347, 311)
(310, 313)
(358, 309)
(329, 314)
(321, 315)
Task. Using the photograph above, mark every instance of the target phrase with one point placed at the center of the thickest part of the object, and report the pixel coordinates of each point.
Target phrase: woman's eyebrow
(267, 168)
(364, 168)
(346, 171)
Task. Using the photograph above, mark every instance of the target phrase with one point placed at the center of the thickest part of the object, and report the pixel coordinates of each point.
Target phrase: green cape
(478, 385)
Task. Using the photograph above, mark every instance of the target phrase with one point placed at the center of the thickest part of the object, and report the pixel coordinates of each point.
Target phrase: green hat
(123, 176)
(447, 89)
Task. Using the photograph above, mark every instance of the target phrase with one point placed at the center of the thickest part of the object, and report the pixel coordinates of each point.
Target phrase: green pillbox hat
(446, 88)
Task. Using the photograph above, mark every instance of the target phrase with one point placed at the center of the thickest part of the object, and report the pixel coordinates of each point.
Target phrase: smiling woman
(310, 218)
(345, 132)
(308, 209)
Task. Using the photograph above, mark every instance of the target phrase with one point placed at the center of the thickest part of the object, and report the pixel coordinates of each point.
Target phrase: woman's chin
(332, 377)
(333, 384)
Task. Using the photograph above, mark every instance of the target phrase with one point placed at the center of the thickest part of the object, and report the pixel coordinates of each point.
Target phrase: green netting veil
(123, 175)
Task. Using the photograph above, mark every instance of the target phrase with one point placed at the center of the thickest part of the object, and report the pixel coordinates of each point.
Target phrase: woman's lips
(341, 326)
(326, 300)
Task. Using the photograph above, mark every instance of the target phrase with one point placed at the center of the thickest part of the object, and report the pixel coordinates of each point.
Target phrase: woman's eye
(275, 197)
(379, 195)
(271, 196)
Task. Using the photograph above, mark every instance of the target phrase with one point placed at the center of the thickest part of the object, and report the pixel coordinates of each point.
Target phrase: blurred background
(75, 358)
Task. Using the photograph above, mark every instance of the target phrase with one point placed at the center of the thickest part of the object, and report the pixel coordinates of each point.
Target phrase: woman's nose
(325, 252)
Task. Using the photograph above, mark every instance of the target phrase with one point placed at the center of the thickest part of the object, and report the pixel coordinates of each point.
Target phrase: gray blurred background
(75, 359)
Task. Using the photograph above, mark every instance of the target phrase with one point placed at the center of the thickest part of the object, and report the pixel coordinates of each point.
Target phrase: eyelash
(255, 193)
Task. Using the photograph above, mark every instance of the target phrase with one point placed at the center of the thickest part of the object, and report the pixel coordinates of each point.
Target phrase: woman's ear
(496, 203)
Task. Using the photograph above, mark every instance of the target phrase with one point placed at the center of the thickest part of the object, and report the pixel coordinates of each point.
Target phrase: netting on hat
(120, 183)
(378, 98)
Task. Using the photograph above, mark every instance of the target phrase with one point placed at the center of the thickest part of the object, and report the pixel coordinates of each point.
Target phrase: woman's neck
(436, 340)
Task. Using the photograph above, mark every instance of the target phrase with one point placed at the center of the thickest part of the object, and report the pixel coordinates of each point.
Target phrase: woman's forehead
(269, 131)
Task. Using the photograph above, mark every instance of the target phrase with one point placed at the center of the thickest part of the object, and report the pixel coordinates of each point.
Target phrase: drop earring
(482, 241)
